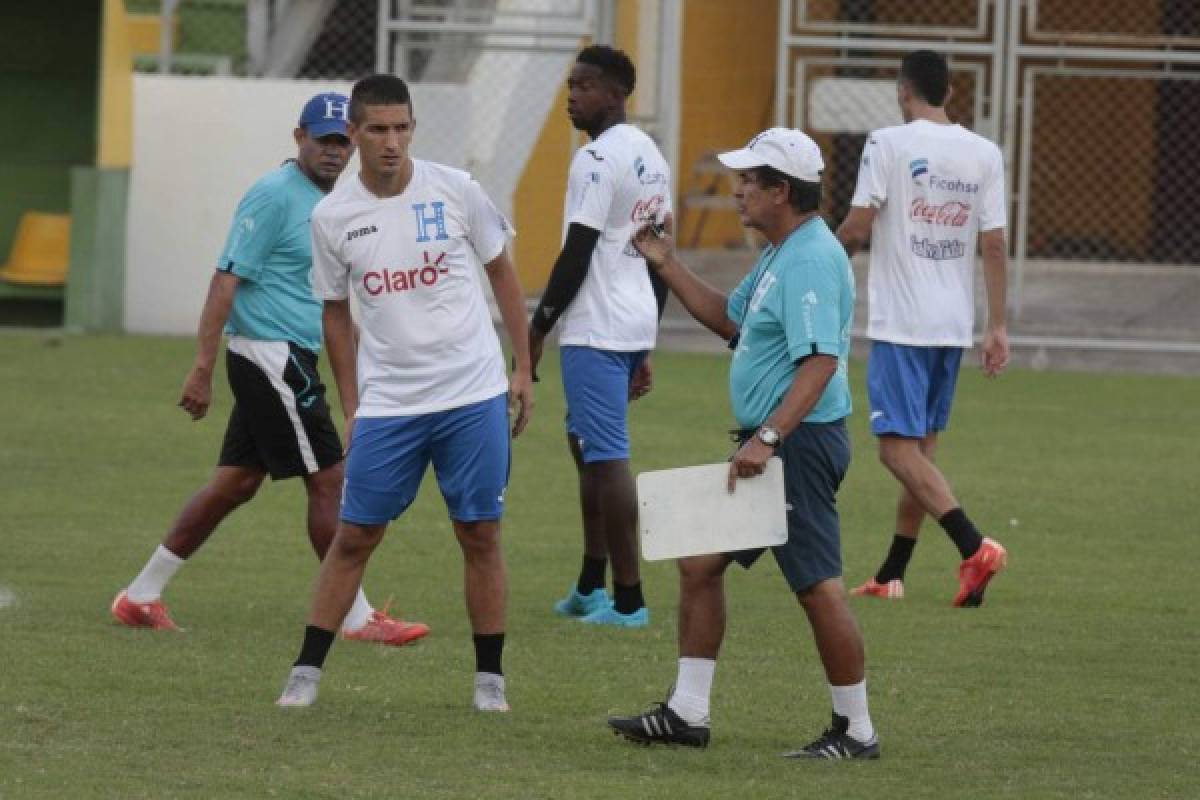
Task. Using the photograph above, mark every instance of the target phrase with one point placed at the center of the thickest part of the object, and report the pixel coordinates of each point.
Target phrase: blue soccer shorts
(468, 446)
(596, 385)
(815, 457)
(910, 389)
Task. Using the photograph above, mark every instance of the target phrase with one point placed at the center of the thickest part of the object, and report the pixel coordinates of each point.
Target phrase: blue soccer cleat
(610, 616)
(580, 605)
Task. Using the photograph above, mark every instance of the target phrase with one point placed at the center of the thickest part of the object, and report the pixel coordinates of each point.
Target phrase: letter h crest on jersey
(435, 220)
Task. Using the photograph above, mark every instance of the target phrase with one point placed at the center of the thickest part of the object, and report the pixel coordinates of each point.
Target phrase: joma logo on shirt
(354, 234)
(392, 280)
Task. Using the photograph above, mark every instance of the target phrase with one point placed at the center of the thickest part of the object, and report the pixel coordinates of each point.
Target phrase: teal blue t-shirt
(798, 300)
(270, 249)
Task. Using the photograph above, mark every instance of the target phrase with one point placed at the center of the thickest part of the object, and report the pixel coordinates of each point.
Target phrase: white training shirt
(414, 262)
(616, 184)
(935, 187)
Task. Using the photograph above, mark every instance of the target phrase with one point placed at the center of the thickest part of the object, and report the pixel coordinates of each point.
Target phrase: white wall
(198, 144)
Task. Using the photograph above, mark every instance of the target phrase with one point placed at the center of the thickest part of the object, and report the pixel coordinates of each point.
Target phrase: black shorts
(815, 459)
(280, 421)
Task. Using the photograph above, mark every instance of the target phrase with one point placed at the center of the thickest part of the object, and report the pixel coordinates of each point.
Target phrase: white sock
(149, 584)
(359, 613)
(693, 686)
(851, 702)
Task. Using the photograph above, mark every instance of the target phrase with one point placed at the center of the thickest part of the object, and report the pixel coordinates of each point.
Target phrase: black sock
(489, 647)
(627, 599)
(317, 642)
(897, 559)
(961, 531)
(591, 576)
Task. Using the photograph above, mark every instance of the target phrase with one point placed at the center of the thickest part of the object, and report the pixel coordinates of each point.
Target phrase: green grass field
(1075, 680)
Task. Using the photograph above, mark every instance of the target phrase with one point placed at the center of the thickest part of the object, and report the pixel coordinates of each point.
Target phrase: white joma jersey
(935, 187)
(616, 184)
(414, 263)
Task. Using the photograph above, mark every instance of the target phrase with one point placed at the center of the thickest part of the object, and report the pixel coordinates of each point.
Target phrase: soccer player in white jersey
(280, 424)
(927, 190)
(410, 239)
(609, 305)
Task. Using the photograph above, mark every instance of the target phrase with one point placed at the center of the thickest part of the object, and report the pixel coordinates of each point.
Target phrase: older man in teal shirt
(788, 323)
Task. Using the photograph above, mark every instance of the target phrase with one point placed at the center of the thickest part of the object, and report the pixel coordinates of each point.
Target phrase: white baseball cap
(785, 149)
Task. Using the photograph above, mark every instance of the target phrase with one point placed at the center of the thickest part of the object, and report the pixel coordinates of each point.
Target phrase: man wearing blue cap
(261, 295)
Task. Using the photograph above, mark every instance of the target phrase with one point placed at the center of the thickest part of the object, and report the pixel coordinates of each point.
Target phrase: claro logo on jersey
(391, 280)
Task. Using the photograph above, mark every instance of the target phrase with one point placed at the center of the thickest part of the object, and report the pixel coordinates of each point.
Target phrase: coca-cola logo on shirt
(648, 209)
(390, 280)
(953, 214)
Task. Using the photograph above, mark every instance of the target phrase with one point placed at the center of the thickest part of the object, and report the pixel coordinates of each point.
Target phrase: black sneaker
(660, 725)
(835, 744)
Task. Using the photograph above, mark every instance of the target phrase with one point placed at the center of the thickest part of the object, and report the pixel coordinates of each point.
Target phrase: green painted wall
(49, 68)
(95, 294)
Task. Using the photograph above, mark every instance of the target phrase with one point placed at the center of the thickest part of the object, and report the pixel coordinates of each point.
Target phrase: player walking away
(788, 323)
(409, 238)
(280, 422)
(925, 190)
(610, 307)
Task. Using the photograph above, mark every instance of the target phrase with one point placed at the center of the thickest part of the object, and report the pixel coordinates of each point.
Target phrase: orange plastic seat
(41, 250)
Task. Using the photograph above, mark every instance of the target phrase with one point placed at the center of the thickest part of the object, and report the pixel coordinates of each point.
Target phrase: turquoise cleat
(580, 605)
(610, 616)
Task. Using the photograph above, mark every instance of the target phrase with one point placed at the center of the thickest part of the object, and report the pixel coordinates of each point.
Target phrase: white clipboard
(688, 512)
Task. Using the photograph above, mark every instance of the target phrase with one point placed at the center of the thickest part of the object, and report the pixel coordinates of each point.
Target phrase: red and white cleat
(387, 630)
(975, 572)
(892, 590)
(142, 615)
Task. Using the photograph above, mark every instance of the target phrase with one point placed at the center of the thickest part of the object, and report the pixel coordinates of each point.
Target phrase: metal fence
(1095, 103)
(496, 64)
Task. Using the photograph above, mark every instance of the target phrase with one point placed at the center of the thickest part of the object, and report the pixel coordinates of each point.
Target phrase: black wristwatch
(769, 436)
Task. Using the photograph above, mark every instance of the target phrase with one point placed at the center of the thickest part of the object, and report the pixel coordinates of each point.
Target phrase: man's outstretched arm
(702, 301)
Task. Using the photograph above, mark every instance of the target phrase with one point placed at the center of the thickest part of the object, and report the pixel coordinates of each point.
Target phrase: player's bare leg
(362, 622)
(588, 594)
(835, 631)
(840, 646)
(228, 488)
(684, 718)
(910, 514)
(611, 484)
(341, 572)
(888, 581)
(595, 538)
(139, 605)
(906, 459)
(337, 583)
(911, 461)
(701, 605)
(324, 490)
(485, 585)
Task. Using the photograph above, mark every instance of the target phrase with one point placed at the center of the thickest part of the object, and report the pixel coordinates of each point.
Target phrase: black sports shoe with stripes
(835, 744)
(660, 725)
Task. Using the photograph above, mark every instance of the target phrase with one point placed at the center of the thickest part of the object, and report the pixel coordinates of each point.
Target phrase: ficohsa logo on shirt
(391, 280)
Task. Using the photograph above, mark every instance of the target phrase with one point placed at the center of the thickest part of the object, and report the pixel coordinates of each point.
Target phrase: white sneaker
(301, 689)
(489, 692)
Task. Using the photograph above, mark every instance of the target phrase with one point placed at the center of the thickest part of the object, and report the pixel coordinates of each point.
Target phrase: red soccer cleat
(388, 630)
(142, 615)
(892, 590)
(975, 572)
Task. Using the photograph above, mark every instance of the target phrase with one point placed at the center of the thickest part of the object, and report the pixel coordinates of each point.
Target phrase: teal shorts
(815, 459)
